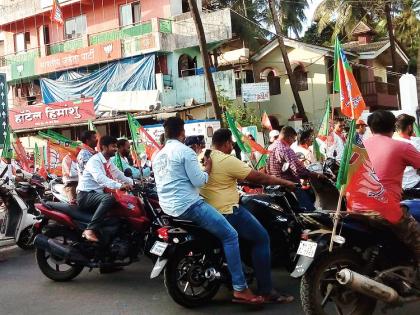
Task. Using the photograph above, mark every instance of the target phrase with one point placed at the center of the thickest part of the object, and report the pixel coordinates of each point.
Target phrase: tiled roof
(361, 48)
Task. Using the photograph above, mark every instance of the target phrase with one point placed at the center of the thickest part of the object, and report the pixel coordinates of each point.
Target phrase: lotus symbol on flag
(108, 49)
(371, 185)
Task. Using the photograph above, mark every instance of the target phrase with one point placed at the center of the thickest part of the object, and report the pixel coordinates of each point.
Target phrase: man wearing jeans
(178, 176)
(221, 192)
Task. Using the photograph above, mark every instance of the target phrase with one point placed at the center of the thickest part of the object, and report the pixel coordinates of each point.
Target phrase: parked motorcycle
(193, 259)
(128, 231)
(368, 264)
(19, 200)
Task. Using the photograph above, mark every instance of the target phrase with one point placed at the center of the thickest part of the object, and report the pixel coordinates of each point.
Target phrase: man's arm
(264, 179)
(97, 170)
(197, 177)
(412, 157)
(118, 175)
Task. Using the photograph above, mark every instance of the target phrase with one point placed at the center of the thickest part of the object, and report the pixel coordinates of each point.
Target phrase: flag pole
(336, 217)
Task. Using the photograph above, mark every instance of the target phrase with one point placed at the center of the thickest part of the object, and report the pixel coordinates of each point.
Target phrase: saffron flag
(58, 138)
(43, 170)
(265, 122)
(55, 156)
(143, 142)
(351, 100)
(364, 191)
(56, 13)
(21, 156)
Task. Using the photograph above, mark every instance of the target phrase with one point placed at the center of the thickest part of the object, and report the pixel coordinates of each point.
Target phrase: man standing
(124, 152)
(178, 176)
(221, 192)
(304, 146)
(405, 132)
(70, 177)
(336, 140)
(89, 143)
(98, 174)
(360, 132)
(284, 163)
(389, 159)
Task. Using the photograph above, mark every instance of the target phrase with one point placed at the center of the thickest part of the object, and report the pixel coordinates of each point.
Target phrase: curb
(7, 242)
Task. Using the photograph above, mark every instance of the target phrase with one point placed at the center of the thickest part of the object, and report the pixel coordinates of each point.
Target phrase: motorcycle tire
(25, 241)
(42, 259)
(178, 294)
(311, 286)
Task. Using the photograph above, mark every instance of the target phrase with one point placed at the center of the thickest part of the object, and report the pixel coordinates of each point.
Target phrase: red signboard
(54, 114)
(79, 57)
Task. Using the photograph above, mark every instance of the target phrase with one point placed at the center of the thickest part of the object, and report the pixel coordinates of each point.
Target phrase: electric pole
(205, 56)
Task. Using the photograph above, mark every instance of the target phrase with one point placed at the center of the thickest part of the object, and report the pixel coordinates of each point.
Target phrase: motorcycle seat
(71, 210)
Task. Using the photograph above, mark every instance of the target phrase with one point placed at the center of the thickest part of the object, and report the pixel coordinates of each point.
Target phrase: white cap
(273, 134)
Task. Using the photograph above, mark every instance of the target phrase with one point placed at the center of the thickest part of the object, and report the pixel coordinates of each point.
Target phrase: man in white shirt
(70, 177)
(405, 132)
(304, 146)
(100, 173)
(336, 140)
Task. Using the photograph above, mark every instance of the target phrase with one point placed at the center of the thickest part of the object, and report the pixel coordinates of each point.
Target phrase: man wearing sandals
(178, 177)
(221, 192)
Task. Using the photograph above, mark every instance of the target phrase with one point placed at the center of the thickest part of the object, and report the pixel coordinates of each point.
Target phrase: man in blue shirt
(178, 177)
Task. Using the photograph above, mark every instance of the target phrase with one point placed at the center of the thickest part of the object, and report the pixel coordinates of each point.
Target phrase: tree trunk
(205, 56)
(286, 60)
(393, 53)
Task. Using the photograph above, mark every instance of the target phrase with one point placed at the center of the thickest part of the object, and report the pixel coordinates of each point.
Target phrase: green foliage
(244, 115)
(312, 36)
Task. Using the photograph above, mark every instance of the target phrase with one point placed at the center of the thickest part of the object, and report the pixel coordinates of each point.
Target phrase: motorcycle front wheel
(53, 267)
(185, 280)
(321, 294)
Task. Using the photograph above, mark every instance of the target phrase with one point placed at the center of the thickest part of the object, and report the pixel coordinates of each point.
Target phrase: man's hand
(208, 164)
(319, 176)
(126, 187)
(288, 184)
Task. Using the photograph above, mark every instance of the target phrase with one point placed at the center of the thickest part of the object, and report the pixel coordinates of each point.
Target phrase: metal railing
(372, 88)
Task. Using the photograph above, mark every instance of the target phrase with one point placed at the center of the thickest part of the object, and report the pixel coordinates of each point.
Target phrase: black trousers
(97, 203)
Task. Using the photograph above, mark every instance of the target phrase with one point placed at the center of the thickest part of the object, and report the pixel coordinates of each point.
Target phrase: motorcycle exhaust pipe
(367, 286)
(59, 250)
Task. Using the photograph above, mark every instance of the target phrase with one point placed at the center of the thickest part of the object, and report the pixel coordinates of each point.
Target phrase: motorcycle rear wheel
(184, 268)
(42, 258)
(320, 279)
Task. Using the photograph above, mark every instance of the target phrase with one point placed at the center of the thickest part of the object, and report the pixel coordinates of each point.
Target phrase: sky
(310, 12)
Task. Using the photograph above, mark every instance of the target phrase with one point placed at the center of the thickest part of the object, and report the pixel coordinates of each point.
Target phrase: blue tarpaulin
(132, 74)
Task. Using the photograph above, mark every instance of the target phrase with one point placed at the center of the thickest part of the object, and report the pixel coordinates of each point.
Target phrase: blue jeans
(249, 228)
(304, 199)
(211, 220)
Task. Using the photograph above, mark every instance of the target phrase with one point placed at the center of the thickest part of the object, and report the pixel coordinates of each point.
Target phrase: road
(24, 290)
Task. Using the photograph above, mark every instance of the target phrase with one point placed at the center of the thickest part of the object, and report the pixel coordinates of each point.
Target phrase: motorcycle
(127, 232)
(193, 259)
(19, 200)
(367, 264)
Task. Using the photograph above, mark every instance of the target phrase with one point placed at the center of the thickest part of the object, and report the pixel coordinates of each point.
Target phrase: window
(75, 27)
(22, 41)
(246, 76)
(301, 77)
(130, 14)
(185, 6)
(186, 66)
(273, 83)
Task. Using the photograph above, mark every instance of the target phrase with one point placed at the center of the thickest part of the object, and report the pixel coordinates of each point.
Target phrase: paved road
(25, 291)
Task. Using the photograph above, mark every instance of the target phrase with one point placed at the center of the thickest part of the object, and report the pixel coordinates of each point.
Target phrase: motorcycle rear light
(163, 233)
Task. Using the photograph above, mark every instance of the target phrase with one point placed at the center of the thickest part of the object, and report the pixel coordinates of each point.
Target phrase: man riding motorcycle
(221, 193)
(90, 141)
(389, 158)
(124, 152)
(405, 132)
(178, 176)
(283, 162)
(100, 173)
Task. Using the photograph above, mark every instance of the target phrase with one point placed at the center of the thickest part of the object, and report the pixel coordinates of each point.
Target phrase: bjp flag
(351, 100)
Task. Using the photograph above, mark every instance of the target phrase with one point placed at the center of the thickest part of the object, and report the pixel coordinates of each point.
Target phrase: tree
(313, 37)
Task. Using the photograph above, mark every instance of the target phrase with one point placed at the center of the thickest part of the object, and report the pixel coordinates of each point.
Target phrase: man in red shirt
(389, 158)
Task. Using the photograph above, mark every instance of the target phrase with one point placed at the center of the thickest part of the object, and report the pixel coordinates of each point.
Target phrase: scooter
(56, 186)
(20, 213)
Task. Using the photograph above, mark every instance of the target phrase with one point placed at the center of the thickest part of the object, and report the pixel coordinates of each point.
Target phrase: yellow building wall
(313, 99)
(380, 70)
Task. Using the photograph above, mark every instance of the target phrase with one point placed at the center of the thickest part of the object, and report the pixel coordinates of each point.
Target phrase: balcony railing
(372, 88)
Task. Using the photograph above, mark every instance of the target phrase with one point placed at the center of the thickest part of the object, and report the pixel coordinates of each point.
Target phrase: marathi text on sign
(255, 92)
(52, 114)
(79, 57)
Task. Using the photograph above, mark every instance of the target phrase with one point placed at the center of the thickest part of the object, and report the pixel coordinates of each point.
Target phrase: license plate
(158, 248)
(307, 249)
